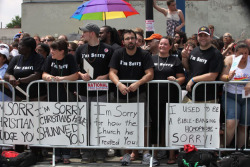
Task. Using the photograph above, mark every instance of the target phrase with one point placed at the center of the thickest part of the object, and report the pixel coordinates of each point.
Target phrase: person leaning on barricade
(97, 55)
(233, 95)
(204, 63)
(167, 67)
(24, 69)
(131, 63)
(60, 66)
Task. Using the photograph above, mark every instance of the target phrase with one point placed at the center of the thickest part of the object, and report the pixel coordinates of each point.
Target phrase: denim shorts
(241, 107)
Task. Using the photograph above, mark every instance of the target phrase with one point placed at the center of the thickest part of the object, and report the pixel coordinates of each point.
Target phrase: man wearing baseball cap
(204, 63)
(152, 43)
(97, 55)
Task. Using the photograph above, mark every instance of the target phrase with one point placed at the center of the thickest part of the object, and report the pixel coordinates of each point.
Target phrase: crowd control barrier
(107, 120)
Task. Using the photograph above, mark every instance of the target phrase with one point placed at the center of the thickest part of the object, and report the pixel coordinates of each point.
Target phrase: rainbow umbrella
(104, 10)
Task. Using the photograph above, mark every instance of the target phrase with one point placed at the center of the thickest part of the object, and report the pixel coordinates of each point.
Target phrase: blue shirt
(3, 70)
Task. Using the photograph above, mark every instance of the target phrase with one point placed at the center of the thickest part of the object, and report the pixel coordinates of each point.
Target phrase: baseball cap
(204, 29)
(5, 52)
(3, 45)
(154, 36)
(90, 27)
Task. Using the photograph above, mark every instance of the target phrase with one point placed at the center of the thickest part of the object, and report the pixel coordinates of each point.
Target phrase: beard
(130, 46)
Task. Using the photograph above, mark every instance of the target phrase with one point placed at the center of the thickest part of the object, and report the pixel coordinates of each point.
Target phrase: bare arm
(16, 81)
(185, 56)
(180, 78)
(205, 77)
(149, 75)
(230, 46)
(160, 9)
(48, 77)
(181, 15)
(115, 79)
(226, 75)
(103, 77)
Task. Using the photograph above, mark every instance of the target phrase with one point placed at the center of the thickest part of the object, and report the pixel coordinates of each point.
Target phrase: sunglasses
(48, 40)
(70, 50)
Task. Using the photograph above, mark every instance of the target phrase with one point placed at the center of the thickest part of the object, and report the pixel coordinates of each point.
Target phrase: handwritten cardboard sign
(48, 123)
(193, 123)
(117, 124)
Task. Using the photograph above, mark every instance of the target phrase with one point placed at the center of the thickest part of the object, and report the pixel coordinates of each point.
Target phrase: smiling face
(244, 52)
(204, 40)
(164, 46)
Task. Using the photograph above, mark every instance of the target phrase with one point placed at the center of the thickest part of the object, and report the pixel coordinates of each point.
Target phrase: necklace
(60, 71)
(162, 64)
(91, 61)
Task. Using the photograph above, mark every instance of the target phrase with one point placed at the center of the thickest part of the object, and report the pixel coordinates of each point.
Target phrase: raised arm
(160, 9)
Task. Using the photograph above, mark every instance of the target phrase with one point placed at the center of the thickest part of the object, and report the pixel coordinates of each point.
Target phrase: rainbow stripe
(242, 79)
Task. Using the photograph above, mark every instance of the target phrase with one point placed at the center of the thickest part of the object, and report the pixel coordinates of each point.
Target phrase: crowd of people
(127, 55)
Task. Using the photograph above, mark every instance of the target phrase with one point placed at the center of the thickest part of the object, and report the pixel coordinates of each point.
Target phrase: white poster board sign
(118, 124)
(193, 123)
(236, 62)
(17, 123)
(48, 123)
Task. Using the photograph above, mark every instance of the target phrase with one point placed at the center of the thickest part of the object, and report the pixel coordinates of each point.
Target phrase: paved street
(110, 161)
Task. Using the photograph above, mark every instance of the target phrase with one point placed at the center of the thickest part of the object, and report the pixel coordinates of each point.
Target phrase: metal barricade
(224, 147)
(5, 87)
(127, 82)
(116, 99)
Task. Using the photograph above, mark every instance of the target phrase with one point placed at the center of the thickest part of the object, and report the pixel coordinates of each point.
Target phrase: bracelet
(118, 84)
(193, 80)
(19, 80)
(176, 80)
(227, 77)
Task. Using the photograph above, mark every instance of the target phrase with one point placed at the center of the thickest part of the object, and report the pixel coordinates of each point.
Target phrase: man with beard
(131, 63)
(110, 36)
(204, 63)
(180, 39)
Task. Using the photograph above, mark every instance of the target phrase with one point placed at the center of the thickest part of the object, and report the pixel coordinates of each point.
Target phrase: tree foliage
(15, 22)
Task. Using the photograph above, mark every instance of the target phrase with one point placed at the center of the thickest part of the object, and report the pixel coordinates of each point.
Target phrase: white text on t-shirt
(198, 59)
(130, 63)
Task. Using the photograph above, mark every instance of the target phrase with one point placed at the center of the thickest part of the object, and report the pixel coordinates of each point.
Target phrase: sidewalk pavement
(110, 161)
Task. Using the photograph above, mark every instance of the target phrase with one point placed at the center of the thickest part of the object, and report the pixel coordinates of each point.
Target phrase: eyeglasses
(127, 39)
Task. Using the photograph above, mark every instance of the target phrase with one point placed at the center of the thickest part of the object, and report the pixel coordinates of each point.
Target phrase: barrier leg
(53, 157)
(151, 159)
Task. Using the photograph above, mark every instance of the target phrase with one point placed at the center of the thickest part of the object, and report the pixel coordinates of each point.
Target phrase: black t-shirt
(66, 66)
(98, 57)
(165, 67)
(202, 62)
(115, 46)
(20, 68)
(131, 67)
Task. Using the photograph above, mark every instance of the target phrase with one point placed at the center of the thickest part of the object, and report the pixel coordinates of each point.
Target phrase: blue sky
(8, 10)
